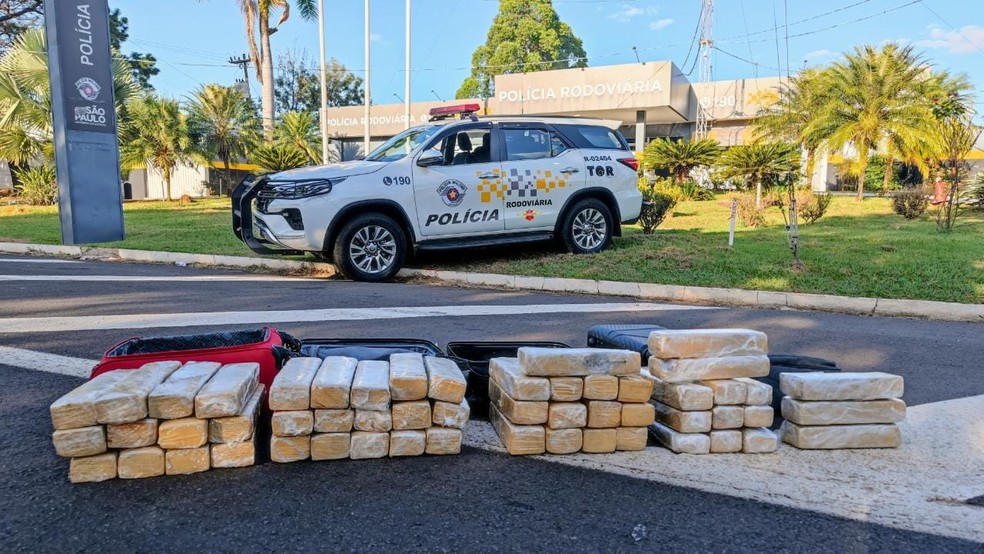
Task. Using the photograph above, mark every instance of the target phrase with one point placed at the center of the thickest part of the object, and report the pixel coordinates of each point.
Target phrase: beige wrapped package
(567, 415)
(367, 445)
(727, 392)
(726, 442)
(184, 462)
(599, 441)
(291, 388)
(506, 373)
(600, 387)
(407, 377)
(370, 387)
(757, 393)
(407, 443)
(703, 369)
(375, 421)
(604, 413)
(126, 400)
(78, 408)
(187, 432)
(445, 382)
(631, 439)
(873, 385)
(81, 442)
(334, 421)
(758, 416)
(140, 463)
(831, 437)
(174, 398)
(227, 392)
(446, 414)
(132, 435)
(577, 362)
(443, 441)
(727, 417)
(520, 412)
(565, 389)
(759, 441)
(518, 439)
(681, 443)
(332, 386)
(330, 446)
(240, 427)
(234, 454)
(638, 415)
(635, 389)
(683, 422)
(93, 469)
(294, 423)
(290, 449)
(845, 412)
(687, 397)
(411, 415)
(564, 441)
(707, 343)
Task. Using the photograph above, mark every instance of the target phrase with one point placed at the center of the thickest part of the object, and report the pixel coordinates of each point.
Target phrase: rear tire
(371, 247)
(587, 227)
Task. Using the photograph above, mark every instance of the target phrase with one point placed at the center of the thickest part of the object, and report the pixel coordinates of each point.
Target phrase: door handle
(569, 170)
(489, 176)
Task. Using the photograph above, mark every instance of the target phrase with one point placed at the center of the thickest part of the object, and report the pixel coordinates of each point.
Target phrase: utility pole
(704, 75)
(406, 89)
(368, 89)
(243, 62)
(324, 85)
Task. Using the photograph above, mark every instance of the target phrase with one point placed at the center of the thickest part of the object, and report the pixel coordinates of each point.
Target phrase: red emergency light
(443, 112)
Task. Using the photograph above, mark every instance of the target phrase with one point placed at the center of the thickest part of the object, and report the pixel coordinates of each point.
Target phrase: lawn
(855, 250)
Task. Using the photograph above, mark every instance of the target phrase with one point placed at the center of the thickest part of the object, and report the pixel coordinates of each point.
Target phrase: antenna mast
(704, 75)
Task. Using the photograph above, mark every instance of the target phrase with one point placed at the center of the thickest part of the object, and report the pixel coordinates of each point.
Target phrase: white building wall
(184, 180)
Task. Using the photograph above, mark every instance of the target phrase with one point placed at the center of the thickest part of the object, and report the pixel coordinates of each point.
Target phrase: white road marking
(920, 486)
(145, 278)
(37, 261)
(195, 319)
(42, 361)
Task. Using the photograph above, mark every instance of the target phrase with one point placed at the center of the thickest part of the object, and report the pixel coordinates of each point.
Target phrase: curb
(884, 307)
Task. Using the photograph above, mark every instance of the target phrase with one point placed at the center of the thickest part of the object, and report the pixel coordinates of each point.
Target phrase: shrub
(37, 185)
(692, 191)
(812, 206)
(656, 205)
(910, 204)
(748, 213)
(278, 157)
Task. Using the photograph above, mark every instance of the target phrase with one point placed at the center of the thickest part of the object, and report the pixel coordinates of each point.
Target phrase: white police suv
(448, 184)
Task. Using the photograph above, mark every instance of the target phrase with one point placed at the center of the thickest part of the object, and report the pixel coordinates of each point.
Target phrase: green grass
(857, 249)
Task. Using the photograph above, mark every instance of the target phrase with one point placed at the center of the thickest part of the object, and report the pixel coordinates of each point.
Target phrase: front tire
(587, 227)
(370, 247)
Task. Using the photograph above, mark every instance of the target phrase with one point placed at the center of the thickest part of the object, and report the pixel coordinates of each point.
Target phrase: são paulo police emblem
(88, 88)
(452, 192)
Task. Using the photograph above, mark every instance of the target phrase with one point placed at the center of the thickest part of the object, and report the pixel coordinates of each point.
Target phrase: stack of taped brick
(160, 419)
(704, 396)
(343, 408)
(824, 411)
(562, 401)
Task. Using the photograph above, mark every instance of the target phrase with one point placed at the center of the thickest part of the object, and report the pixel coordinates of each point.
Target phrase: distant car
(449, 184)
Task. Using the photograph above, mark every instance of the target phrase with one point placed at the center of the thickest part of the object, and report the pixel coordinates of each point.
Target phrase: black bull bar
(243, 222)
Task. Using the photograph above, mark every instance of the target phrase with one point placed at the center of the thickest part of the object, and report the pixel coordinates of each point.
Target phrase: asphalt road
(479, 500)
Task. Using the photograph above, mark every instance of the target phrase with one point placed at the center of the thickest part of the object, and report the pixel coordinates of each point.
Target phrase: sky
(193, 39)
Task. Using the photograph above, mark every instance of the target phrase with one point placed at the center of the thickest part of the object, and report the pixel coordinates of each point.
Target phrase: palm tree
(223, 123)
(760, 162)
(300, 130)
(256, 15)
(877, 99)
(679, 157)
(278, 157)
(157, 134)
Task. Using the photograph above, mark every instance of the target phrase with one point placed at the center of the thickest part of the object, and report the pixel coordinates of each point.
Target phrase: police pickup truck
(455, 182)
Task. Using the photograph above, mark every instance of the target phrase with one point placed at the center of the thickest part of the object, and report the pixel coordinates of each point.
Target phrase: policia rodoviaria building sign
(83, 111)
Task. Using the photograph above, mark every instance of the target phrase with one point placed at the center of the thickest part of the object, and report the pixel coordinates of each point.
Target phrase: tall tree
(298, 90)
(17, 16)
(223, 123)
(157, 134)
(526, 35)
(679, 157)
(760, 163)
(142, 65)
(256, 15)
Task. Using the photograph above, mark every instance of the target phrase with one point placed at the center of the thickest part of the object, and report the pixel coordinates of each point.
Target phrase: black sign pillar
(87, 158)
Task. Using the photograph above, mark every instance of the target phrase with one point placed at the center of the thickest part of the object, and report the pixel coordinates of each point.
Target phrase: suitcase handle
(281, 355)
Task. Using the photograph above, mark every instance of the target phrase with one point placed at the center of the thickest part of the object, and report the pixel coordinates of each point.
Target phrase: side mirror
(429, 158)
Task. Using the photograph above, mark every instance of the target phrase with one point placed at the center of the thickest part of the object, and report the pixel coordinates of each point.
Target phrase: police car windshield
(402, 144)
